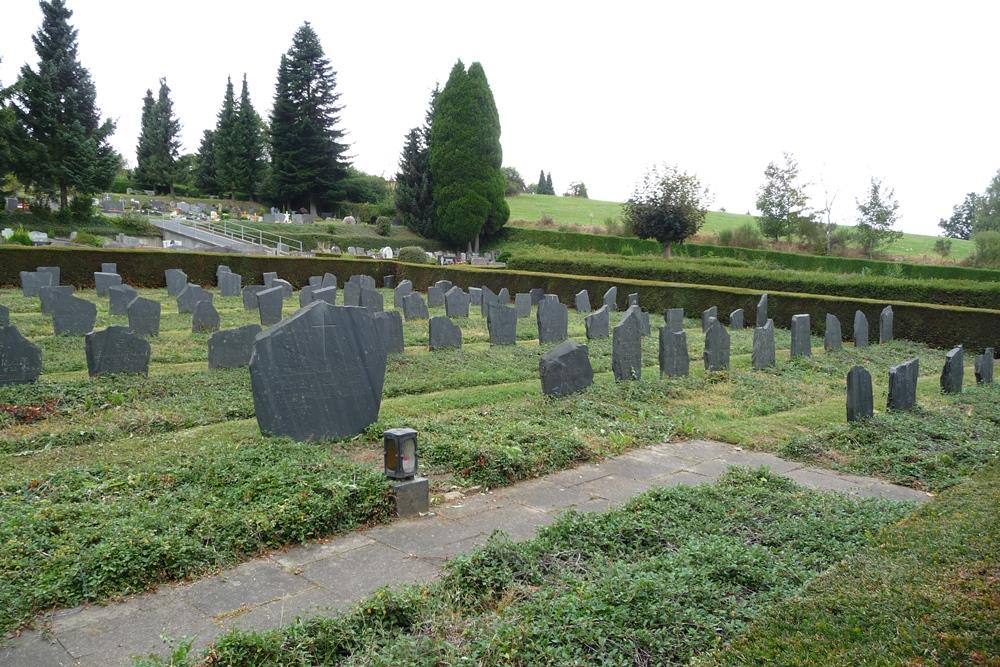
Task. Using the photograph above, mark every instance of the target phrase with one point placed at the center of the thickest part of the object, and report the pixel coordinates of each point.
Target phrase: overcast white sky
(598, 91)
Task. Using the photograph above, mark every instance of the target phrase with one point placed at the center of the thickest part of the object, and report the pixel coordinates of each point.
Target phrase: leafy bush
(86, 238)
(133, 223)
(943, 247)
(987, 249)
(413, 254)
(745, 236)
(383, 225)
(20, 237)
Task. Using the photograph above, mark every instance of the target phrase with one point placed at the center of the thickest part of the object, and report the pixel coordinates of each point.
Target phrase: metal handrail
(239, 232)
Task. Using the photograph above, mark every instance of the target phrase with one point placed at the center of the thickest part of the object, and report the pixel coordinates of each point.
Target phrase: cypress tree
(205, 178)
(225, 145)
(144, 151)
(307, 151)
(63, 143)
(250, 145)
(540, 188)
(156, 153)
(549, 188)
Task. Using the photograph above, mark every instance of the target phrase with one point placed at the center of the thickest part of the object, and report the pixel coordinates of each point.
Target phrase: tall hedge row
(933, 324)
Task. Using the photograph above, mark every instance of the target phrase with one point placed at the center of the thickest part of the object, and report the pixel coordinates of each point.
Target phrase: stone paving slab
(329, 575)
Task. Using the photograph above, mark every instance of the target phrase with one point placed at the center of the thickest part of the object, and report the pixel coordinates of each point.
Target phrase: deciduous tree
(963, 217)
(781, 200)
(877, 215)
(669, 205)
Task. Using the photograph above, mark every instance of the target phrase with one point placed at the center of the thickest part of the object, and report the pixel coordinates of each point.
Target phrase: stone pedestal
(411, 496)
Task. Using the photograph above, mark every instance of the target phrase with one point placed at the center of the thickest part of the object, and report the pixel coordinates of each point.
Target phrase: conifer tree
(540, 188)
(250, 145)
(147, 138)
(156, 154)
(225, 144)
(414, 185)
(205, 178)
(549, 188)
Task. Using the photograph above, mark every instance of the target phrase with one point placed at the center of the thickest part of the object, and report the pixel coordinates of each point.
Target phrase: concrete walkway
(326, 576)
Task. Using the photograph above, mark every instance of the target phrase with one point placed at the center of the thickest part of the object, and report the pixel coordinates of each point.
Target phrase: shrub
(20, 237)
(943, 247)
(133, 223)
(86, 238)
(383, 225)
(413, 254)
(546, 221)
(987, 249)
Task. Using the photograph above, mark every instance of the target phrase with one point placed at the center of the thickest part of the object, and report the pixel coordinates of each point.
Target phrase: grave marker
(401, 290)
(102, 281)
(626, 349)
(860, 329)
(953, 372)
(177, 280)
(190, 296)
(390, 328)
(230, 284)
(456, 303)
(414, 307)
(522, 304)
(762, 311)
(674, 319)
(736, 319)
(553, 321)
(327, 294)
(565, 369)
(674, 358)
(707, 316)
(885, 325)
(801, 342)
(597, 323)
(45, 295)
(611, 299)
(502, 324)
(144, 316)
(860, 404)
(984, 367)
(716, 347)
(435, 297)
(763, 354)
(250, 293)
(443, 334)
(232, 348)
(119, 297)
(832, 338)
(116, 350)
(269, 305)
(72, 316)
(582, 301)
(205, 318)
(20, 359)
(903, 385)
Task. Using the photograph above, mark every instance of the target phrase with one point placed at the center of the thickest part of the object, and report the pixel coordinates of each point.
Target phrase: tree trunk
(312, 206)
(468, 248)
(63, 196)
(477, 244)
(666, 250)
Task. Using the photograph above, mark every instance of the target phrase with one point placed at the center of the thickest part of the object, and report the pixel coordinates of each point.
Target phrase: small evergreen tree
(781, 201)
(963, 217)
(226, 144)
(250, 163)
(549, 188)
(414, 185)
(159, 144)
(145, 149)
(876, 217)
(205, 178)
(541, 188)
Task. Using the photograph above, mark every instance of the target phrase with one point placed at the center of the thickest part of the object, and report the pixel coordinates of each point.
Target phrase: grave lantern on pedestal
(399, 446)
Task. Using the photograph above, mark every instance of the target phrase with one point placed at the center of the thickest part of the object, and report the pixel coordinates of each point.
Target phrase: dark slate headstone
(443, 334)
(390, 327)
(707, 315)
(626, 349)
(553, 321)
(286, 286)
(502, 324)
(611, 299)
(319, 374)
(633, 299)
(762, 310)
(565, 369)
(177, 280)
(315, 281)
(329, 280)
(475, 296)
(205, 318)
(249, 294)
(119, 297)
(20, 359)
(232, 348)
(522, 304)
(984, 367)
(111, 267)
(389, 281)
(102, 281)
(885, 325)
(116, 350)
(305, 296)
(674, 319)
(32, 281)
(953, 372)
(363, 280)
(269, 305)
(801, 342)
(860, 404)
(444, 285)
(352, 293)
(269, 278)
(644, 320)
(716, 347)
(635, 311)
(503, 296)
(736, 319)
(763, 354)
(4, 316)
(489, 298)
(327, 294)
(45, 295)
(230, 284)
(54, 270)
(832, 338)
(401, 290)
(903, 385)
(190, 296)
(537, 294)
(598, 323)
(435, 297)
(371, 299)
(582, 301)
(860, 329)
(414, 307)
(674, 358)
(144, 316)
(72, 316)
(456, 303)
(219, 270)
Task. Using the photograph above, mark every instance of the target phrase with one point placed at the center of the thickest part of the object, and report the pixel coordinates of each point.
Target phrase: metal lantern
(399, 447)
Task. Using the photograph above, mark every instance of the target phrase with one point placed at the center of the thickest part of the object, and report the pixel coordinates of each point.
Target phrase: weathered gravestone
(953, 372)
(762, 311)
(646, 327)
(232, 348)
(860, 404)
(502, 324)
(885, 325)
(327, 294)
(46, 294)
(190, 296)
(435, 297)
(582, 301)
(53, 270)
(707, 316)
(488, 299)
(119, 297)
(565, 369)
(402, 290)
(736, 319)
(20, 359)
(626, 348)
(319, 374)
(306, 296)
(249, 294)
(371, 300)
(443, 334)
(230, 284)
(801, 342)
(219, 270)
(674, 358)
(860, 329)
(611, 299)
(444, 285)
(763, 353)
(352, 293)
(4, 316)
(633, 299)
(597, 323)
(315, 281)
(269, 278)
(390, 328)
(116, 350)
(144, 316)
(102, 281)
(363, 280)
(72, 316)
(832, 338)
(717, 343)
(389, 281)
(32, 281)
(414, 307)
(537, 294)
(110, 267)
(287, 289)
(553, 321)
(329, 280)
(205, 318)
(984, 367)
(903, 385)
(456, 303)
(522, 304)
(674, 319)
(177, 280)
(269, 305)
(476, 296)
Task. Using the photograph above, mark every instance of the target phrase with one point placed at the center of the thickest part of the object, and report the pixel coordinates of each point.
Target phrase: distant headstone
(219, 270)
(443, 334)
(903, 385)
(363, 280)
(329, 280)
(444, 285)
(414, 307)
(32, 281)
(20, 359)
(674, 319)
(626, 349)
(72, 316)
(318, 374)
(763, 353)
(269, 278)
(502, 324)
(144, 316)
(53, 270)
(249, 294)
(953, 372)
(553, 321)
(177, 280)
(522, 304)
(390, 328)
(389, 281)
(232, 348)
(633, 299)
(116, 350)
(984, 367)
(401, 290)
(475, 296)
(647, 328)
(372, 300)
(327, 294)
(565, 369)
(597, 323)
(119, 297)
(46, 294)
(832, 338)
(489, 298)
(860, 329)
(456, 303)
(885, 325)
(582, 301)
(315, 281)
(102, 281)
(762, 310)
(230, 284)
(860, 404)
(205, 318)
(306, 296)
(716, 353)
(736, 319)
(352, 293)
(109, 267)
(435, 297)
(537, 294)
(801, 342)
(611, 299)
(190, 296)
(674, 358)
(269, 304)
(287, 289)
(707, 315)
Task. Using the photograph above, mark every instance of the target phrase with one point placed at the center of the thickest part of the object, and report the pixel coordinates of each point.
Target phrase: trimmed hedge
(936, 325)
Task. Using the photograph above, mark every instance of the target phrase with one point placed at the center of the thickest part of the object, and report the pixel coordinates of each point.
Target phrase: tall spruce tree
(540, 187)
(549, 188)
(159, 143)
(414, 185)
(62, 142)
(226, 144)
(146, 148)
(205, 178)
(466, 159)
(250, 163)
(307, 152)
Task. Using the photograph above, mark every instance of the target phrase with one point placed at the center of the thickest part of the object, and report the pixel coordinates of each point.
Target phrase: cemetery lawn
(110, 486)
